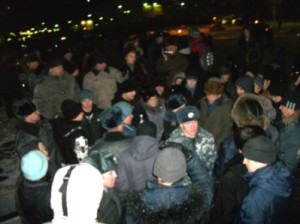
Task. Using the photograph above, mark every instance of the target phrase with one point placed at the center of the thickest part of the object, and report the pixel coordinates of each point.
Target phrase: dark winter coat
(36, 76)
(91, 125)
(270, 189)
(175, 64)
(39, 132)
(33, 200)
(218, 122)
(288, 142)
(230, 192)
(227, 151)
(136, 164)
(180, 203)
(72, 141)
(52, 91)
(110, 208)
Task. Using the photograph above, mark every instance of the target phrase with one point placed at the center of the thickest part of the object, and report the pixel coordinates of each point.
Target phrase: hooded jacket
(136, 164)
(270, 188)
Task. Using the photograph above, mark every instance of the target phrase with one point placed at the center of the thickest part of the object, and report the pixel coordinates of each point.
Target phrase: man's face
(129, 96)
(286, 112)
(87, 105)
(33, 118)
(130, 58)
(101, 66)
(160, 89)
(225, 77)
(212, 98)
(109, 179)
(191, 83)
(57, 70)
(250, 165)
(239, 91)
(190, 128)
(152, 101)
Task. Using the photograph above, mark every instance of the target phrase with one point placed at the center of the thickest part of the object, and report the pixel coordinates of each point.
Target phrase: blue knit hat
(86, 94)
(34, 165)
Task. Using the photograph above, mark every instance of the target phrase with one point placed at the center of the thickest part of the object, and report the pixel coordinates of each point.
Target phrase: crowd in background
(161, 138)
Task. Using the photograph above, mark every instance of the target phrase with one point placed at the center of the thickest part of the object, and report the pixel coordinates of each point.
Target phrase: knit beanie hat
(55, 62)
(170, 165)
(187, 113)
(147, 128)
(86, 94)
(70, 109)
(290, 101)
(125, 108)
(23, 108)
(111, 117)
(260, 149)
(246, 82)
(175, 101)
(34, 165)
(126, 86)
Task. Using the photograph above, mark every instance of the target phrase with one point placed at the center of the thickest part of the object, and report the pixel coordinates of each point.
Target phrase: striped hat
(291, 102)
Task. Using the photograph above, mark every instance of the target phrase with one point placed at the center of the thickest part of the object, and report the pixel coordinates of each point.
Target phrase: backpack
(207, 59)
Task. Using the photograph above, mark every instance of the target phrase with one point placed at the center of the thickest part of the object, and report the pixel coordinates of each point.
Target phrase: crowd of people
(162, 139)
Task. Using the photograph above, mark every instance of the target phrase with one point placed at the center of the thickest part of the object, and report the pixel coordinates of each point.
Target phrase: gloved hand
(187, 153)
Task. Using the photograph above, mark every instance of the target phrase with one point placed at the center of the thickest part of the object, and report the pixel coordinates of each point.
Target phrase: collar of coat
(292, 119)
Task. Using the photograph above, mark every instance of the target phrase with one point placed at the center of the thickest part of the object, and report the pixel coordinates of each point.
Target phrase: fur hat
(70, 109)
(102, 160)
(147, 128)
(125, 108)
(247, 110)
(170, 165)
(34, 165)
(246, 82)
(260, 149)
(175, 101)
(86, 94)
(188, 113)
(111, 117)
(23, 108)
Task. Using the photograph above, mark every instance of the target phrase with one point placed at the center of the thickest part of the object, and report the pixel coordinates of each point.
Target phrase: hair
(212, 87)
(243, 134)
(128, 50)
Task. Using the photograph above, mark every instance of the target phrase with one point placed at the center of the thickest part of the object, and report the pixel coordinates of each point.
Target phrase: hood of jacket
(241, 116)
(143, 147)
(275, 178)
